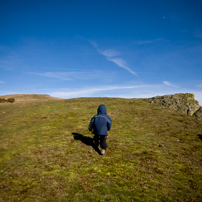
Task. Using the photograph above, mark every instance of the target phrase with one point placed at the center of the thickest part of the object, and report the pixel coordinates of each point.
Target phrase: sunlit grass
(154, 154)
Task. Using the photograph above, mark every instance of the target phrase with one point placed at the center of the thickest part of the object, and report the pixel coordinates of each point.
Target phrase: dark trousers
(100, 139)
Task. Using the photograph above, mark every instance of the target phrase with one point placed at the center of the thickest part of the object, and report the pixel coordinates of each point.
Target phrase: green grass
(46, 152)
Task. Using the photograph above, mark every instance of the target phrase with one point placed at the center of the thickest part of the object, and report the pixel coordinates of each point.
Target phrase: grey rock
(198, 113)
(182, 102)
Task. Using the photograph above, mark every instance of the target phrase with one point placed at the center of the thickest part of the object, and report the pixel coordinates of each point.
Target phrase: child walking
(100, 124)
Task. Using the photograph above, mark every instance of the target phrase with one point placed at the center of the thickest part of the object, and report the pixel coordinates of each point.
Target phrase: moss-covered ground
(47, 152)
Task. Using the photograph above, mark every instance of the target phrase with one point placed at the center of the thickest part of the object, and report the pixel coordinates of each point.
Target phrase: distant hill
(30, 97)
(181, 102)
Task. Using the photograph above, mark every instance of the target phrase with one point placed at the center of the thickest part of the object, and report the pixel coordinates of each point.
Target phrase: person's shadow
(86, 140)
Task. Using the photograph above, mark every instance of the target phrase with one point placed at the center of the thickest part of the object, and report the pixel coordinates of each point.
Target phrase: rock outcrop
(182, 102)
(3, 100)
(198, 113)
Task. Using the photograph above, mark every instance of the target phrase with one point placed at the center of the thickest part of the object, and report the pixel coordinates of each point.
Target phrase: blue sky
(101, 48)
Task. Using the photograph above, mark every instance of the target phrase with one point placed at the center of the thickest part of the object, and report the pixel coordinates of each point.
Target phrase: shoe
(103, 152)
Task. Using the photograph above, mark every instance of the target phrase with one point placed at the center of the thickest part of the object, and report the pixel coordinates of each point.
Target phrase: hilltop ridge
(181, 102)
(30, 97)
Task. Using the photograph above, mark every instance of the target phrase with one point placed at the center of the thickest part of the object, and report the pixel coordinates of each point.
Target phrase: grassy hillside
(47, 152)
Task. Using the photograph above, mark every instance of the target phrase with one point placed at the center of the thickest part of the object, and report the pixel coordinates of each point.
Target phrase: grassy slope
(154, 154)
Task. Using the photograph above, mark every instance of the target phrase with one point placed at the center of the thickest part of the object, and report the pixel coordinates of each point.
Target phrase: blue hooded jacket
(101, 122)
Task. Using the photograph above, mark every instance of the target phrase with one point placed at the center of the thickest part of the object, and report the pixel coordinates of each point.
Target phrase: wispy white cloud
(1, 82)
(69, 75)
(111, 55)
(170, 84)
(57, 75)
(142, 42)
(90, 91)
(94, 44)
(121, 63)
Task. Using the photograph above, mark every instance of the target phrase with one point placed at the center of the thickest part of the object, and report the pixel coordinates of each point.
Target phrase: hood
(102, 109)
